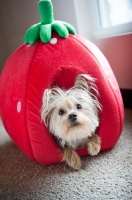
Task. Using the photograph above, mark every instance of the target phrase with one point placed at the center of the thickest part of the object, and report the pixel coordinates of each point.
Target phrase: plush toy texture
(33, 68)
(44, 29)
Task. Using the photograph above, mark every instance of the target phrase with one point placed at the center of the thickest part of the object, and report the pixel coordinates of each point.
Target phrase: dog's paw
(72, 158)
(93, 149)
(94, 145)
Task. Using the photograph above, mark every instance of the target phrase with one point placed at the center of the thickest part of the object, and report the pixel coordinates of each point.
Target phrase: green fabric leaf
(70, 28)
(60, 29)
(43, 30)
(45, 33)
(32, 34)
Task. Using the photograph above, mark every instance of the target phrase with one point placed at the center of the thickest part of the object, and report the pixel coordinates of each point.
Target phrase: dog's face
(73, 114)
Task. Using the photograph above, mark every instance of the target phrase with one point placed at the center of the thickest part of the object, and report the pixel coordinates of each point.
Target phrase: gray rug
(106, 176)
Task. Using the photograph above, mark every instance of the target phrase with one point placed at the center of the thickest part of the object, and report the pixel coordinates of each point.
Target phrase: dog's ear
(48, 103)
(45, 105)
(46, 108)
(85, 82)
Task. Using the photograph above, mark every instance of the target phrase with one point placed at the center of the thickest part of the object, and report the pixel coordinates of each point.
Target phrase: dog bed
(36, 66)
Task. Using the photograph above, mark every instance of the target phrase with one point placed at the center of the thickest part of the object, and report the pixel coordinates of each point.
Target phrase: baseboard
(127, 97)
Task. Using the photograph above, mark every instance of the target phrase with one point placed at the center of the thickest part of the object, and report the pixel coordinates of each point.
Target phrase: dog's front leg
(94, 144)
(71, 158)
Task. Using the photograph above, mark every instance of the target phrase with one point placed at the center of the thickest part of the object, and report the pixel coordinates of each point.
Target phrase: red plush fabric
(32, 69)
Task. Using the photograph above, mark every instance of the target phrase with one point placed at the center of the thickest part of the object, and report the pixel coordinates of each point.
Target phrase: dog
(72, 117)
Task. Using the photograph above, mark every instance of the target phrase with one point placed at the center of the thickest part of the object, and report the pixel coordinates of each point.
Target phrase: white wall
(64, 10)
(118, 51)
(16, 16)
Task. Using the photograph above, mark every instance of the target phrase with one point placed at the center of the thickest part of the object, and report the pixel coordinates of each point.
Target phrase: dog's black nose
(72, 117)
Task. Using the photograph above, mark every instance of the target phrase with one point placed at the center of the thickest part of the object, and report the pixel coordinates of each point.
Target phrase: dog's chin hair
(75, 137)
(72, 137)
(73, 134)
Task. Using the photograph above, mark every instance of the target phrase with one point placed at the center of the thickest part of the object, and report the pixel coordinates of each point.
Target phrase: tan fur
(71, 158)
(73, 135)
(94, 144)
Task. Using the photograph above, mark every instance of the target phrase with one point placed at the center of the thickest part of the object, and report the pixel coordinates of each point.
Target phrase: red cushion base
(32, 69)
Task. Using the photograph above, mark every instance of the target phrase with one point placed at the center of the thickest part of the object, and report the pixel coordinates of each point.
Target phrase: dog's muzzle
(72, 117)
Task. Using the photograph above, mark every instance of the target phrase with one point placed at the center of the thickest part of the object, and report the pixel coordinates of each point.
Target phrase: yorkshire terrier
(72, 118)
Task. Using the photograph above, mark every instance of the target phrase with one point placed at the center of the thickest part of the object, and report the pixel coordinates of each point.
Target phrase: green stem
(46, 11)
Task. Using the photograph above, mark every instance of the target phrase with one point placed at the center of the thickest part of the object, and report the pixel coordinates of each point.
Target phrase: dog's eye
(79, 107)
(61, 112)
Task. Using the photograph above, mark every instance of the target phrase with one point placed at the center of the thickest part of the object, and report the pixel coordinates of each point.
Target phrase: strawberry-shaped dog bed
(53, 54)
